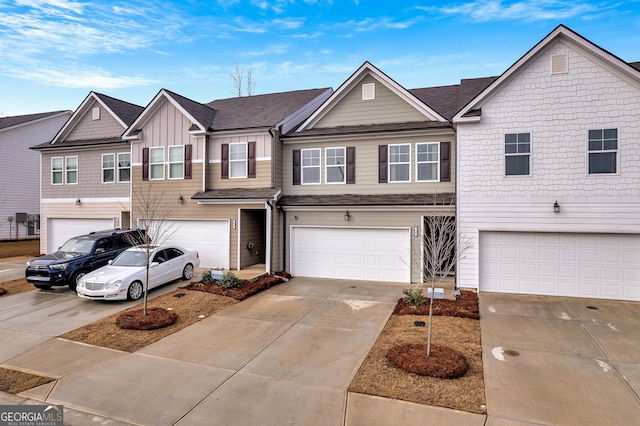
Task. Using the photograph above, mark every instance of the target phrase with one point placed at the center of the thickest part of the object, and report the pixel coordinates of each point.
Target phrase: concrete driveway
(560, 360)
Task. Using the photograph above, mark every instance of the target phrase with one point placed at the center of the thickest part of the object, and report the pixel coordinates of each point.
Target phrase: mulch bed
(154, 319)
(2, 291)
(465, 306)
(442, 362)
(239, 293)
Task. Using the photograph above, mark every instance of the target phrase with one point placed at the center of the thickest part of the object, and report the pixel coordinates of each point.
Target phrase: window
(108, 168)
(56, 171)
(176, 162)
(156, 162)
(335, 165)
(603, 151)
(124, 167)
(400, 163)
(238, 160)
(427, 162)
(517, 149)
(71, 169)
(310, 166)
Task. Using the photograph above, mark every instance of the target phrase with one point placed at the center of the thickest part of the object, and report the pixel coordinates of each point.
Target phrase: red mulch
(465, 306)
(442, 362)
(155, 318)
(240, 293)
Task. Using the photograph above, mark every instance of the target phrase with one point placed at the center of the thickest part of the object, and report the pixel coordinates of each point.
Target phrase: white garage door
(209, 237)
(603, 266)
(351, 253)
(60, 230)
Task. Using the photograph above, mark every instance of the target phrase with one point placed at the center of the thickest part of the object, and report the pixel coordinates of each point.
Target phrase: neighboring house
(86, 172)
(363, 171)
(549, 175)
(219, 166)
(19, 171)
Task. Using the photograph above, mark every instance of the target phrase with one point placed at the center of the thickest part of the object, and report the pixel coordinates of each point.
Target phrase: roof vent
(96, 113)
(559, 64)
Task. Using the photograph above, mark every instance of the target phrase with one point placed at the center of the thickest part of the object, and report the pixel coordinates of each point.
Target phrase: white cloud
(530, 10)
(276, 49)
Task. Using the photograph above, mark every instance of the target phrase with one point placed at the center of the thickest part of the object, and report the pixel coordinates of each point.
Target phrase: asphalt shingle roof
(236, 193)
(127, 112)
(6, 122)
(444, 199)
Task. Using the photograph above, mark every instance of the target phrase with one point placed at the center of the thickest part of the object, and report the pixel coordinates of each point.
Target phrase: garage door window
(603, 151)
(517, 149)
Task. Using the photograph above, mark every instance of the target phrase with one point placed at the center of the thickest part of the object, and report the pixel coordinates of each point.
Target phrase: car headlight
(113, 284)
(28, 264)
(59, 266)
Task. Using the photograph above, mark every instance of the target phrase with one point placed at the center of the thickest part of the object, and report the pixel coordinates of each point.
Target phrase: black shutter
(351, 164)
(382, 163)
(296, 167)
(445, 161)
(145, 163)
(225, 161)
(188, 152)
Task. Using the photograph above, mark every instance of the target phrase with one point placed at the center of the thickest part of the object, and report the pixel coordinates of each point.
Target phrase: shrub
(415, 297)
(229, 280)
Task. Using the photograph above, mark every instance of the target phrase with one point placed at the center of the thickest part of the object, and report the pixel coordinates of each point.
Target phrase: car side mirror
(110, 261)
(100, 250)
(153, 264)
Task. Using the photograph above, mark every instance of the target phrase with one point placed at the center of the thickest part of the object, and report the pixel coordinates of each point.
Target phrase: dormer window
(368, 91)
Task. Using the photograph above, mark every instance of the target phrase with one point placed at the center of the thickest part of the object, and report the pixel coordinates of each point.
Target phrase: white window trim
(344, 165)
(61, 170)
(617, 151)
(112, 168)
(437, 179)
(245, 160)
(169, 162)
(302, 166)
(151, 164)
(118, 168)
(404, 162)
(514, 154)
(67, 170)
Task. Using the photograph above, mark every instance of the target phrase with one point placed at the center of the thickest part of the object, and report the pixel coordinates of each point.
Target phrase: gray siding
(87, 128)
(387, 107)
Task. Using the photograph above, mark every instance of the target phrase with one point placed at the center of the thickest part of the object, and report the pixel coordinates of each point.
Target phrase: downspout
(273, 163)
(270, 241)
(284, 240)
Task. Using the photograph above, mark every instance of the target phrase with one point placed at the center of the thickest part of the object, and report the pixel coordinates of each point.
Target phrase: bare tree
(149, 212)
(442, 250)
(238, 77)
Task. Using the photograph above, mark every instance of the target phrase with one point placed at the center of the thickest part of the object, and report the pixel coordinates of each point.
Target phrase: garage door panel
(352, 253)
(583, 265)
(209, 237)
(60, 230)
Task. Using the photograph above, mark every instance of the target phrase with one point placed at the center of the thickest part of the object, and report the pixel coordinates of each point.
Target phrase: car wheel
(135, 290)
(43, 287)
(76, 280)
(187, 272)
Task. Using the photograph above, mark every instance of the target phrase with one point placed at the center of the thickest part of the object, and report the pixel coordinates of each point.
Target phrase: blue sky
(54, 52)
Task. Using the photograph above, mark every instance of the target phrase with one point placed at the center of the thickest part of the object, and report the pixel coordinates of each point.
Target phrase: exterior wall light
(556, 207)
(180, 199)
(347, 216)
(77, 201)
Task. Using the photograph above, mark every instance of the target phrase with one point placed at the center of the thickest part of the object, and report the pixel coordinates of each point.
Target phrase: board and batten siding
(20, 181)
(387, 107)
(106, 127)
(558, 111)
(367, 181)
(90, 183)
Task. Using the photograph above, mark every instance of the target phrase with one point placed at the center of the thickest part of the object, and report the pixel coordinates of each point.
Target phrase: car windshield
(130, 258)
(77, 246)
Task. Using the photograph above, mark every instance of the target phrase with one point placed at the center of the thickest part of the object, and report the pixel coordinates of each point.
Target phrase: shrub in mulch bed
(239, 293)
(2, 291)
(155, 318)
(465, 306)
(443, 362)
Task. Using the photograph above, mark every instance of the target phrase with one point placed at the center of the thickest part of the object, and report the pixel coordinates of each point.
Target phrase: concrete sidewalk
(284, 356)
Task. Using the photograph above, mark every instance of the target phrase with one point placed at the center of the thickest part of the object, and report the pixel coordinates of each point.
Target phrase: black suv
(80, 255)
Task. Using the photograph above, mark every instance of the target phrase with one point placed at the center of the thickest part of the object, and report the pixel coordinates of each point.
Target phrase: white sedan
(124, 277)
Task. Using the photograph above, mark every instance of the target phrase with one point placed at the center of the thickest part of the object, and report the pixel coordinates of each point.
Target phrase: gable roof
(470, 112)
(346, 87)
(20, 120)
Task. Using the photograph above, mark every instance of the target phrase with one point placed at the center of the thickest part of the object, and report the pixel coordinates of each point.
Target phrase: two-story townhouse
(19, 176)
(85, 172)
(217, 166)
(361, 174)
(548, 175)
